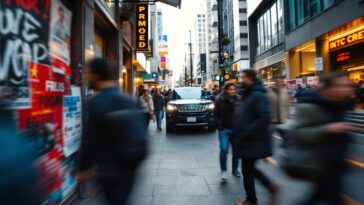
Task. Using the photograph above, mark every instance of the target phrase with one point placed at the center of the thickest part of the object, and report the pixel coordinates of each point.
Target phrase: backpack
(130, 135)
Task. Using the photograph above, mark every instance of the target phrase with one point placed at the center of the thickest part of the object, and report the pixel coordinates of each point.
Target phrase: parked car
(190, 106)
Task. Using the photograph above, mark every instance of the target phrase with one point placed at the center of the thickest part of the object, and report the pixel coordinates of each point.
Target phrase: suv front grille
(191, 108)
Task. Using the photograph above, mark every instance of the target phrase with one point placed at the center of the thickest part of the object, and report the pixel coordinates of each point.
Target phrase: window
(243, 23)
(280, 20)
(242, 10)
(273, 13)
(244, 48)
(301, 11)
(243, 35)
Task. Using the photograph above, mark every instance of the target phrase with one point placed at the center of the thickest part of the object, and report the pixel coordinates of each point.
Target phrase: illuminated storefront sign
(343, 56)
(142, 12)
(347, 40)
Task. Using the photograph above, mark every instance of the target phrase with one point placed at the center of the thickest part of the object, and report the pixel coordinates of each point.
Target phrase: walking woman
(147, 104)
(224, 111)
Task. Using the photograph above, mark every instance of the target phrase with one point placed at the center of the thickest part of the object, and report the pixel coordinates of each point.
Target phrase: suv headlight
(210, 106)
(171, 107)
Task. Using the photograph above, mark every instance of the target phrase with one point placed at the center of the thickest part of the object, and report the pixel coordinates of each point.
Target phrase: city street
(183, 169)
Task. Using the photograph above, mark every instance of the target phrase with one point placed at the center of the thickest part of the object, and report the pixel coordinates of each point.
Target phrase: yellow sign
(142, 34)
(347, 40)
(227, 77)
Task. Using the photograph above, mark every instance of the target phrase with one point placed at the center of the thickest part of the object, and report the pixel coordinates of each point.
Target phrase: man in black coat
(159, 103)
(252, 138)
(114, 138)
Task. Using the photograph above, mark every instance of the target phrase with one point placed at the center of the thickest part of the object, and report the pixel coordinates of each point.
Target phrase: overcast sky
(177, 23)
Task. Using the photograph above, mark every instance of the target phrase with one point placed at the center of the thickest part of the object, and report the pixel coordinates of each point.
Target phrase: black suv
(190, 106)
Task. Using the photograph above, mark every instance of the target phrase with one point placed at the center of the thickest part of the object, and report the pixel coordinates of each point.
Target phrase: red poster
(44, 119)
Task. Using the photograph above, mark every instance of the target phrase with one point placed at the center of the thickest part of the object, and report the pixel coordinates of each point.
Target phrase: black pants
(327, 190)
(249, 173)
(147, 119)
(116, 190)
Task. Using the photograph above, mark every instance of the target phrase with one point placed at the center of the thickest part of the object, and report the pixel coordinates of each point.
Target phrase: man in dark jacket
(224, 111)
(252, 138)
(158, 100)
(114, 136)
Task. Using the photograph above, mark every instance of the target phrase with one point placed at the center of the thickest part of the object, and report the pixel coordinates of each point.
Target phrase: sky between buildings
(177, 23)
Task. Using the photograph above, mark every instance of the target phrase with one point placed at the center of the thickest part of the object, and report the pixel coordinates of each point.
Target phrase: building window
(243, 35)
(242, 10)
(274, 19)
(243, 23)
(244, 48)
(301, 11)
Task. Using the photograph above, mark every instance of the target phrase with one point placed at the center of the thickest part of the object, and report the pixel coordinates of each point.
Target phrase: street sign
(155, 75)
(319, 64)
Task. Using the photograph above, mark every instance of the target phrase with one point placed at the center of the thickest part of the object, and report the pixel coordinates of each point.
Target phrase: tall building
(201, 46)
(213, 46)
(235, 30)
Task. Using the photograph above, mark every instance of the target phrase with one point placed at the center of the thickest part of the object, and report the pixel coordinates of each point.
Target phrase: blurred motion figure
(115, 136)
(318, 129)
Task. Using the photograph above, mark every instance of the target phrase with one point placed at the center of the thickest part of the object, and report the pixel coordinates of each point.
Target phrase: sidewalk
(183, 169)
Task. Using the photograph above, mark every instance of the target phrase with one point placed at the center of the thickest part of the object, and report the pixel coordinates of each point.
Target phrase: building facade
(267, 40)
(201, 46)
(235, 33)
(316, 43)
(213, 46)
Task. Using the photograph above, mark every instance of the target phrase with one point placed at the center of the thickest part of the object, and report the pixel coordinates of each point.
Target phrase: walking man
(224, 111)
(252, 138)
(146, 101)
(159, 101)
(114, 139)
(279, 104)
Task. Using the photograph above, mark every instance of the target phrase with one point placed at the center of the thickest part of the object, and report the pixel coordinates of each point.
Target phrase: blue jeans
(159, 114)
(224, 137)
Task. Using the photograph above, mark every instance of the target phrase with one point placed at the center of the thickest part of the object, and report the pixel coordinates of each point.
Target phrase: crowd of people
(114, 143)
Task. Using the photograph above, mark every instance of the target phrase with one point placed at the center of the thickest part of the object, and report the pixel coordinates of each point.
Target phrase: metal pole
(191, 65)
(186, 69)
(220, 34)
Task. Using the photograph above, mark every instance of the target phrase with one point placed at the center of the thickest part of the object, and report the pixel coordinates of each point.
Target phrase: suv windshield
(189, 93)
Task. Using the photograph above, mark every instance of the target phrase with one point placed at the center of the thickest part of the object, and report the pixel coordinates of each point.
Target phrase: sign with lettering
(142, 26)
(24, 28)
(347, 40)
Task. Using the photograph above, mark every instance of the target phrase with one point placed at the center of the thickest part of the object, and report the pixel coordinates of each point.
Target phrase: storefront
(267, 74)
(346, 46)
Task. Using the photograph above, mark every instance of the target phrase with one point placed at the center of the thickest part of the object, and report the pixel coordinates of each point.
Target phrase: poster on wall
(163, 45)
(24, 37)
(69, 183)
(72, 122)
(60, 38)
(313, 81)
(44, 121)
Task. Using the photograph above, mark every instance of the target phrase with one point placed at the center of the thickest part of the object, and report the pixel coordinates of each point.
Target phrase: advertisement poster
(60, 38)
(313, 81)
(69, 183)
(163, 45)
(44, 120)
(19, 49)
(72, 122)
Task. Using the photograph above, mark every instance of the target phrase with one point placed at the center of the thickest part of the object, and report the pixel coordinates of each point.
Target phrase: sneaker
(223, 176)
(246, 202)
(236, 173)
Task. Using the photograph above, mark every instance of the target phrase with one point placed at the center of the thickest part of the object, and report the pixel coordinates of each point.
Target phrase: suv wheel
(169, 128)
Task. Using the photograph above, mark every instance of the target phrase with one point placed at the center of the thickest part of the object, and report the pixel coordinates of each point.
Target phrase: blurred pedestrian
(224, 112)
(360, 92)
(252, 138)
(147, 104)
(279, 104)
(159, 104)
(19, 182)
(139, 91)
(321, 137)
(114, 140)
(215, 92)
